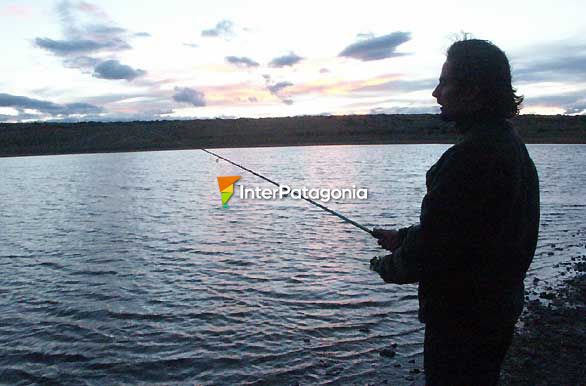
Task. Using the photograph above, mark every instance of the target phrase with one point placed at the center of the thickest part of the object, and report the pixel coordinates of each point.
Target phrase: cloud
(277, 87)
(89, 39)
(113, 69)
(142, 34)
(365, 35)
(88, 8)
(376, 48)
(147, 115)
(19, 117)
(81, 62)
(405, 110)
(285, 60)
(86, 27)
(224, 28)
(105, 30)
(562, 68)
(69, 47)
(571, 102)
(21, 103)
(241, 61)
(400, 86)
(336, 87)
(324, 70)
(192, 45)
(189, 95)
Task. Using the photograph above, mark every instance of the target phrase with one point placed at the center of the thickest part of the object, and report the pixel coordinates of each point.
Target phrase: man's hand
(376, 264)
(387, 238)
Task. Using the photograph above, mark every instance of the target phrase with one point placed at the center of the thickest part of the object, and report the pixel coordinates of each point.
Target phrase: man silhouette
(478, 225)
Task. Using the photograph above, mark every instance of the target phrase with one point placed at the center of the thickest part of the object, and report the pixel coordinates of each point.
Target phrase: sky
(150, 60)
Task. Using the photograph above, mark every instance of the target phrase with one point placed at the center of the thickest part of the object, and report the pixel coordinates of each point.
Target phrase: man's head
(475, 83)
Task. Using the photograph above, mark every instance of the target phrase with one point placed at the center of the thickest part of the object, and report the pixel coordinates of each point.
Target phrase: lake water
(125, 268)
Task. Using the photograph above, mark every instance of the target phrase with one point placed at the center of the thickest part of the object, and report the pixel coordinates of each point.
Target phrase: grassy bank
(18, 139)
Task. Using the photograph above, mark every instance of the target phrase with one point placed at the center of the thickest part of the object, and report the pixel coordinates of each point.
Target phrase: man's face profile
(454, 105)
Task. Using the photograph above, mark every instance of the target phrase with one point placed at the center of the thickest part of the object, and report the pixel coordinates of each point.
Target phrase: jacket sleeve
(401, 267)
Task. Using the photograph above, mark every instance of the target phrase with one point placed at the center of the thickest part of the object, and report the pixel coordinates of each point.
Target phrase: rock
(411, 360)
(387, 352)
(545, 295)
(397, 365)
(364, 329)
(414, 371)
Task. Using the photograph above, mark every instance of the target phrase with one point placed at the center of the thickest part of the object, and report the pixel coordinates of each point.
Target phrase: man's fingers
(384, 245)
(375, 264)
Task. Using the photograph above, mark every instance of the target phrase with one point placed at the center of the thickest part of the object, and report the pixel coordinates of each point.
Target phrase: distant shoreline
(31, 139)
(228, 147)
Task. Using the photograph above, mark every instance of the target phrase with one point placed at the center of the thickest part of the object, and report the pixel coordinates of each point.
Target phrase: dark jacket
(477, 233)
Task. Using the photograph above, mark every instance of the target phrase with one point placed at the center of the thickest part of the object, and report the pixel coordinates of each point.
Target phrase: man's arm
(400, 267)
(459, 194)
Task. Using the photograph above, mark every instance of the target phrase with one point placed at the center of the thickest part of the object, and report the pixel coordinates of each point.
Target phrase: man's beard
(458, 117)
(446, 116)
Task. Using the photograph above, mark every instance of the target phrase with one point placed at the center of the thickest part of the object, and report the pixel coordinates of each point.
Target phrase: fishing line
(346, 219)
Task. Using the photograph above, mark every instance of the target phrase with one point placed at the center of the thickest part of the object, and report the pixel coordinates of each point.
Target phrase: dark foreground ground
(549, 347)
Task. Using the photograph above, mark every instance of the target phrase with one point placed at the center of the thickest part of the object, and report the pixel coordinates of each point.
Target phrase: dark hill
(94, 137)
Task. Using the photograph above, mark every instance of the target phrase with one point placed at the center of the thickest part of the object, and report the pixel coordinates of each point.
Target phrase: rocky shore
(549, 347)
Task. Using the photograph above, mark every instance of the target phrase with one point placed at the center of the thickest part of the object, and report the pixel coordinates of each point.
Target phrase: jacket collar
(474, 129)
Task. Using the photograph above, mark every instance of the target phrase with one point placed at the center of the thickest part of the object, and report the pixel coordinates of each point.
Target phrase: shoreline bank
(46, 138)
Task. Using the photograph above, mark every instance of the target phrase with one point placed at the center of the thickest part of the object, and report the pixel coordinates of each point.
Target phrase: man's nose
(434, 93)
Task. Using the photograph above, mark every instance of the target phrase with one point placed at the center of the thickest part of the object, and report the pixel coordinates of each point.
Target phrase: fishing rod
(346, 219)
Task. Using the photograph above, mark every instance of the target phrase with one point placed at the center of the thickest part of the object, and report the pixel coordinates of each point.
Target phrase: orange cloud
(339, 87)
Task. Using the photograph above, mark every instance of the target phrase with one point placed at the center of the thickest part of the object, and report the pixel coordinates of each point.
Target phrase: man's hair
(481, 64)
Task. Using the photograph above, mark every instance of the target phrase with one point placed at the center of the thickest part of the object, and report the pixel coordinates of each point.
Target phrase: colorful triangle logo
(226, 184)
